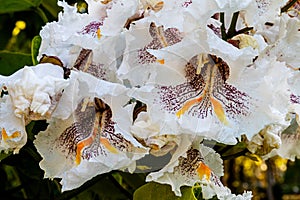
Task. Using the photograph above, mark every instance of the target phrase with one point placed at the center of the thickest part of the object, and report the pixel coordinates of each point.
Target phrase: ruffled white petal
(32, 94)
(13, 134)
(35, 93)
(91, 140)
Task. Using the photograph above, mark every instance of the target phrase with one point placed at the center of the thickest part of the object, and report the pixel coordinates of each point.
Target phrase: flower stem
(223, 30)
(244, 30)
(288, 5)
(41, 13)
(241, 153)
(232, 31)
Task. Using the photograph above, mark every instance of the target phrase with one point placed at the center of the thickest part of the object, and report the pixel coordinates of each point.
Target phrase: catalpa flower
(137, 61)
(290, 142)
(160, 142)
(213, 78)
(289, 138)
(266, 140)
(13, 133)
(264, 11)
(97, 32)
(195, 164)
(28, 95)
(281, 35)
(90, 136)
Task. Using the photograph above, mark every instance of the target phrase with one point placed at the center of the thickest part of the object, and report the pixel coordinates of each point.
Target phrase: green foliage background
(20, 174)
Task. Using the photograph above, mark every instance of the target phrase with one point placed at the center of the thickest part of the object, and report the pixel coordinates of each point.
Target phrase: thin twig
(232, 28)
(241, 153)
(287, 6)
(223, 30)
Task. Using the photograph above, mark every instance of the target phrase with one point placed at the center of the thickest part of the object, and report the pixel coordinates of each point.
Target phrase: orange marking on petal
(187, 105)
(80, 146)
(219, 111)
(203, 170)
(87, 141)
(15, 134)
(4, 134)
(99, 33)
(162, 61)
(108, 146)
(6, 137)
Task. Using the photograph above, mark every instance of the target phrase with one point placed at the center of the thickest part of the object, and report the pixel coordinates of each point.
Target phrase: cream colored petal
(266, 140)
(13, 134)
(32, 93)
(35, 91)
(290, 140)
(93, 135)
(198, 164)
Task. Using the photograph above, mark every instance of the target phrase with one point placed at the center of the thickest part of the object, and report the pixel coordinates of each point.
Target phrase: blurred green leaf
(11, 61)
(7, 6)
(253, 157)
(4, 155)
(133, 181)
(35, 46)
(234, 151)
(100, 187)
(153, 191)
(52, 7)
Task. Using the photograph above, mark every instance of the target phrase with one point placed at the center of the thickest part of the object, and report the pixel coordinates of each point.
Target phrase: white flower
(90, 136)
(290, 142)
(35, 91)
(283, 37)
(268, 10)
(31, 93)
(266, 140)
(98, 31)
(138, 63)
(13, 134)
(195, 164)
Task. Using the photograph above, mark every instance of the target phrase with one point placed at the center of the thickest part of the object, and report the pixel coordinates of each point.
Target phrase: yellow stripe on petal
(203, 170)
(87, 141)
(80, 146)
(99, 35)
(162, 61)
(187, 105)
(5, 137)
(108, 146)
(219, 111)
(105, 1)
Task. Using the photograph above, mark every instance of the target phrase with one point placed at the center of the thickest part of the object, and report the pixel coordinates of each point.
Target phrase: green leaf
(153, 191)
(4, 155)
(134, 180)
(100, 187)
(52, 7)
(235, 150)
(7, 6)
(11, 62)
(35, 46)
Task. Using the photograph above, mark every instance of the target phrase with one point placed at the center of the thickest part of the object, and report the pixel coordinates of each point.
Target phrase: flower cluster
(126, 82)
